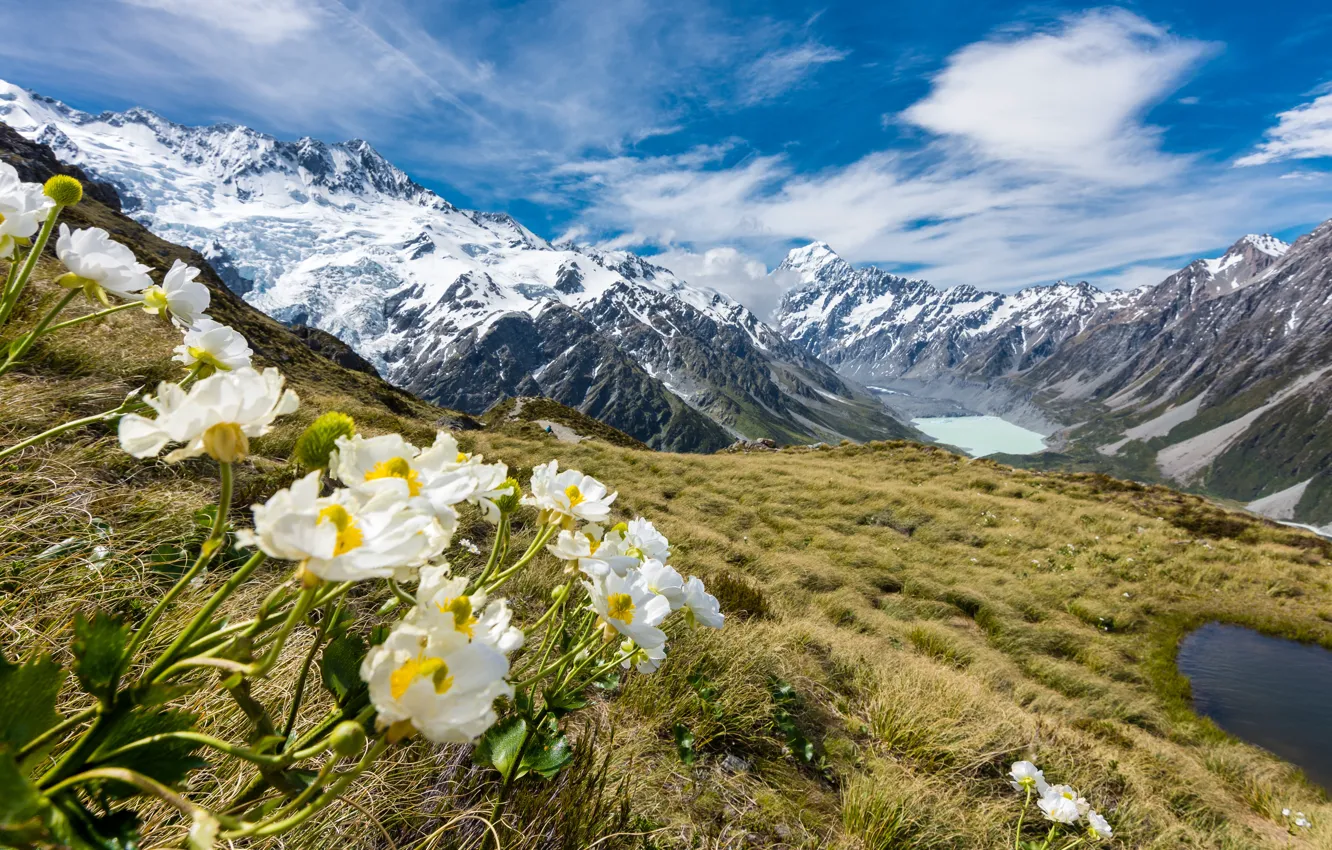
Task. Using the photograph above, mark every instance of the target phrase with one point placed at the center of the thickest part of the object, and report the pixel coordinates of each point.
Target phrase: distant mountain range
(1219, 378)
(461, 307)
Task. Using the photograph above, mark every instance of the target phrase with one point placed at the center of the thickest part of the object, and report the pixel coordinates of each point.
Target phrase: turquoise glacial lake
(981, 435)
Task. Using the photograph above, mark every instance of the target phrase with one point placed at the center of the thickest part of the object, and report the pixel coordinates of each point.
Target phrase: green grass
(937, 618)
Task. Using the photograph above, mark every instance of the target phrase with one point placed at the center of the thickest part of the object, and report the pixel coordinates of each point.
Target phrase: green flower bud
(319, 440)
(509, 501)
(557, 594)
(347, 739)
(64, 190)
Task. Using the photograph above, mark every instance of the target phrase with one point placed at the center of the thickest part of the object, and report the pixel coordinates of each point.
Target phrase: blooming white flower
(347, 536)
(1058, 808)
(628, 607)
(440, 476)
(1027, 777)
(1097, 826)
(569, 496)
(450, 614)
(180, 297)
(218, 415)
(701, 608)
(645, 660)
(1066, 792)
(468, 546)
(22, 207)
(643, 540)
(99, 264)
(214, 346)
(665, 581)
(423, 678)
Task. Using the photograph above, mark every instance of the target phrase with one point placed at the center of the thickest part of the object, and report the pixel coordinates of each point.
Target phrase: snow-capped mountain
(881, 328)
(462, 307)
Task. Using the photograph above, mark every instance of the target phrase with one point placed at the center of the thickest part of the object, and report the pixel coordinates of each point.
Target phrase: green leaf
(22, 807)
(684, 743)
(170, 558)
(28, 694)
(340, 668)
(498, 748)
(98, 646)
(168, 761)
(608, 682)
(562, 703)
(548, 752)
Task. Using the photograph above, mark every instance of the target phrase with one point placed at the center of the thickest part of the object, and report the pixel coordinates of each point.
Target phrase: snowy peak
(815, 261)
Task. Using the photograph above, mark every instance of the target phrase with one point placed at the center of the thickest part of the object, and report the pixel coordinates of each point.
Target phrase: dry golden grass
(938, 618)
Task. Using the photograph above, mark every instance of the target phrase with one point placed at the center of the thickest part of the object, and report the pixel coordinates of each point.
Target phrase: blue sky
(990, 143)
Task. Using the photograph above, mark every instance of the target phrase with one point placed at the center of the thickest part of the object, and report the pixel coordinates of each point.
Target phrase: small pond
(981, 435)
(1271, 692)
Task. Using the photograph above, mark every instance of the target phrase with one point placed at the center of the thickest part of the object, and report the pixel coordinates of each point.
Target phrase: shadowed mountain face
(462, 306)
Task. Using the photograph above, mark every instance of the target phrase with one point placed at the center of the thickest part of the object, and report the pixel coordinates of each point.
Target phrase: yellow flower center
(420, 667)
(202, 355)
(461, 458)
(575, 495)
(461, 609)
(154, 299)
(396, 467)
(592, 545)
(349, 533)
(620, 606)
(225, 442)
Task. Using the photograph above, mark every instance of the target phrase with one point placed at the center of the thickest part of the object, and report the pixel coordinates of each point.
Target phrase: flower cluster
(1060, 804)
(1295, 821)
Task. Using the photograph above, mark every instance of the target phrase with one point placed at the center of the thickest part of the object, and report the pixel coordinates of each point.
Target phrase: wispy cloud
(1304, 132)
(780, 70)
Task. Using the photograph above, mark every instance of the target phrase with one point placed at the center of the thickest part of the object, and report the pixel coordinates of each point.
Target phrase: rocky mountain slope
(1217, 378)
(462, 307)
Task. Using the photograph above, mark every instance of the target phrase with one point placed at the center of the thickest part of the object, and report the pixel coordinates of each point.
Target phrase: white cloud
(260, 21)
(993, 206)
(777, 71)
(1304, 132)
(728, 270)
(1069, 99)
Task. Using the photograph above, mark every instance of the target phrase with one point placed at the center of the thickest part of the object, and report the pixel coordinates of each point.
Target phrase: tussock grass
(938, 618)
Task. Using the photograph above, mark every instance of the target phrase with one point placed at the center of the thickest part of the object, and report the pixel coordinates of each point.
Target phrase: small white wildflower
(1097, 826)
(1027, 777)
(180, 298)
(213, 346)
(99, 264)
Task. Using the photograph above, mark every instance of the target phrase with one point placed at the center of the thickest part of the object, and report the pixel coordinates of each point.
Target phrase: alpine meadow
(334, 513)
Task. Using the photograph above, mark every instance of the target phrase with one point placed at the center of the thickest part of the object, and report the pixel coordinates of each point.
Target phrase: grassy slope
(938, 617)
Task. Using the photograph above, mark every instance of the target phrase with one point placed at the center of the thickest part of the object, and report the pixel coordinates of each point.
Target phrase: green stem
(274, 760)
(268, 828)
(1017, 836)
(501, 534)
(532, 551)
(125, 407)
(5, 292)
(61, 727)
(556, 664)
(129, 777)
(69, 323)
(402, 595)
(296, 698)
(26, 341)
(29, 263)
(210, 547)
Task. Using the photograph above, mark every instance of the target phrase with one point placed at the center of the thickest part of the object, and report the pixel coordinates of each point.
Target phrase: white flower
(570, 495)
(218, 415)
(1066, 792)
(203, 831)
(449, 614)
(665, 581)
(588, 550)
(642, 659)
(99, 264)
(22, 207)
(1097, 826)
(180, 297)
(468, 546)
(1058, 808)
(214, 345)
(441, 476)
(1027, 777)
(701, 608)
(643, 540)
(443, 688)
(628, 607)
(347, 536)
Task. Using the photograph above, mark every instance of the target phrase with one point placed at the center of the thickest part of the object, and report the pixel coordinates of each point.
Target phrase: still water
(981, 435)
(1270, 692)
